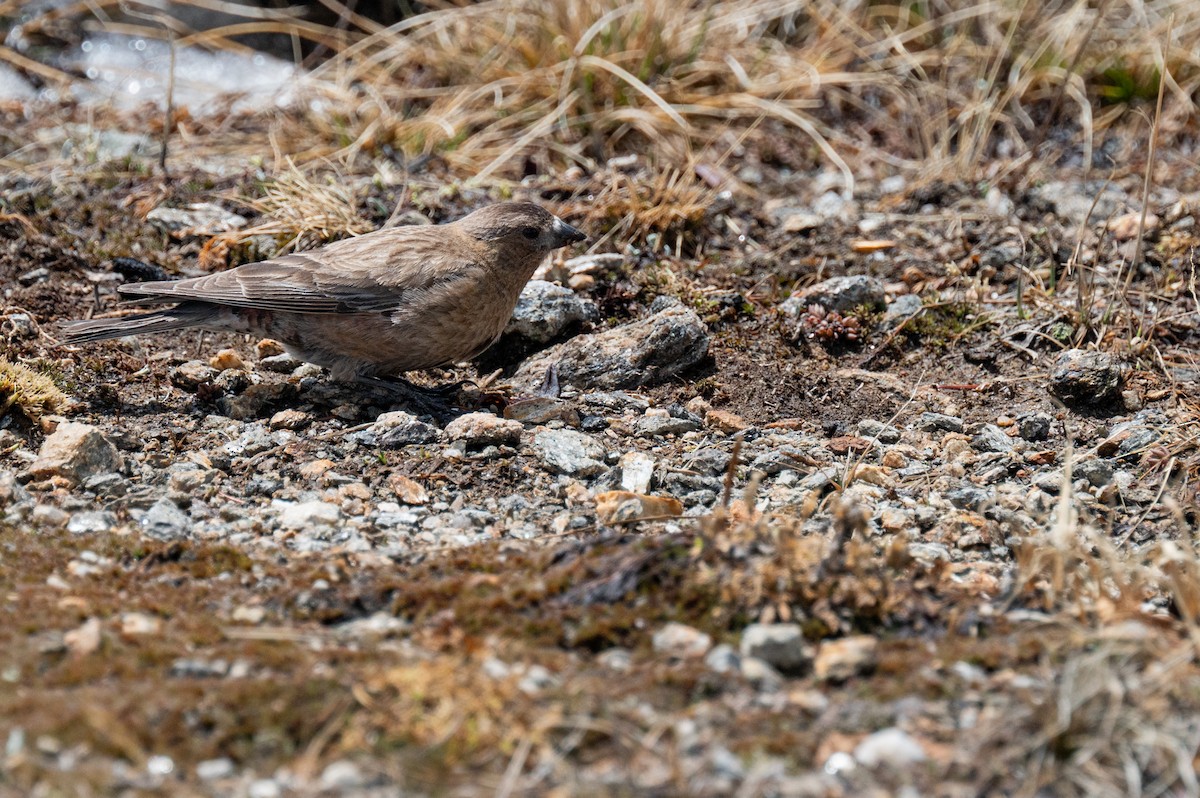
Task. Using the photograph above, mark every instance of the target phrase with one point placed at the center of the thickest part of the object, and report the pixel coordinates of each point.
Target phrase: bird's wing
(374, 272)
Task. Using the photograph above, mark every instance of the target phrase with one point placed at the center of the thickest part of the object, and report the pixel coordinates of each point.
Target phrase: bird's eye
(529, 232)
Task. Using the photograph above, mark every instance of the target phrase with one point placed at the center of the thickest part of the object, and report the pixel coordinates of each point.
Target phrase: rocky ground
(808, 496)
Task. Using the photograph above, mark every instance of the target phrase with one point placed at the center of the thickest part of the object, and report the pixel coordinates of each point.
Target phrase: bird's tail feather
(81, 332)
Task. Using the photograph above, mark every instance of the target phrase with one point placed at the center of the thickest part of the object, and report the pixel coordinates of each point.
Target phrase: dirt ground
(1048, 649)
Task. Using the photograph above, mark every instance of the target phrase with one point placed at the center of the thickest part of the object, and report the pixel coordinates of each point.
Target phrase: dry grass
(297, 209)
(28, 392)
(940, 88)
(938, 85)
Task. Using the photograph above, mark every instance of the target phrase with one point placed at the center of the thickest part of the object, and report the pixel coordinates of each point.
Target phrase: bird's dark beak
(566, 234)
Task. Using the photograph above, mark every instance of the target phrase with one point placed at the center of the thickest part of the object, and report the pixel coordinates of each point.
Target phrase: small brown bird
(384, 303)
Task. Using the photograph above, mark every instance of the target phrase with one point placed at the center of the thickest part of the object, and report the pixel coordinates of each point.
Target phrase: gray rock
(1096, 471)
(991, 438)
(884, 433)
(11, 491)
(931, 422)
(280, 364)
(833, 205)
(1085, 378)
(760, 673)
(198, 219)
(901, 309)
(1074, 200)
(657, 426)
(47, 516)
(91, 521)
(536, 679)
(1035, 426)
(723, 659)
(546, 310)
(187, 668)
(165, 521)
(565, 451)
(305, 515)
(1049, 481)
(842, 294)
(396, 429)
(107, 484)
(680, 640)
(643, 352)
(968, 497)
(75, 452)
(780, 645)
(341, 775)
(709, 462)
(617, 659)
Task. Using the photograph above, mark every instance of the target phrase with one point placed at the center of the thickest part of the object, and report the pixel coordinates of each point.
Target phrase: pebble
(637, 470)
(723, 658)
(838, 660)
(75, 452)
(1096, 471)
(536, 679)
(682, 641)
(569, 452)
(290, 418)
(725, 421)
(659, 425)
(91, 521)
(620, 506)
(395, 430)
(268, 347)
(991, 438)
(213, 769)
(843, 294)
(198, 219)
(484, 429)
(165, 521)
(901, 308)
(760, 673)
(227, 359)
(644, 352)
(1034, 426)
(279, 364)
(264, 788)
(889, 747)
(308, 514)
(47, 516)
(884, 433)
(1085, 378)
(192, 374)
(780, 645)
(617, 659)
(932, 422)
(341, 775)
(84, 639)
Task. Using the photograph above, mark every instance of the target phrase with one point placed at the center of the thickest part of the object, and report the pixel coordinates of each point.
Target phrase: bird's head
(520, 226)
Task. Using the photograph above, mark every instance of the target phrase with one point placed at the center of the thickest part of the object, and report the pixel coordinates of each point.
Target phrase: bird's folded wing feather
(376, 272)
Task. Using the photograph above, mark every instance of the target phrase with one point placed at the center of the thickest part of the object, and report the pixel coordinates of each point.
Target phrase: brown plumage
(396, 300)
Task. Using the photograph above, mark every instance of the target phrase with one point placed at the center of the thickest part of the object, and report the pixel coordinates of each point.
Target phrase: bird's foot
(435, 400)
